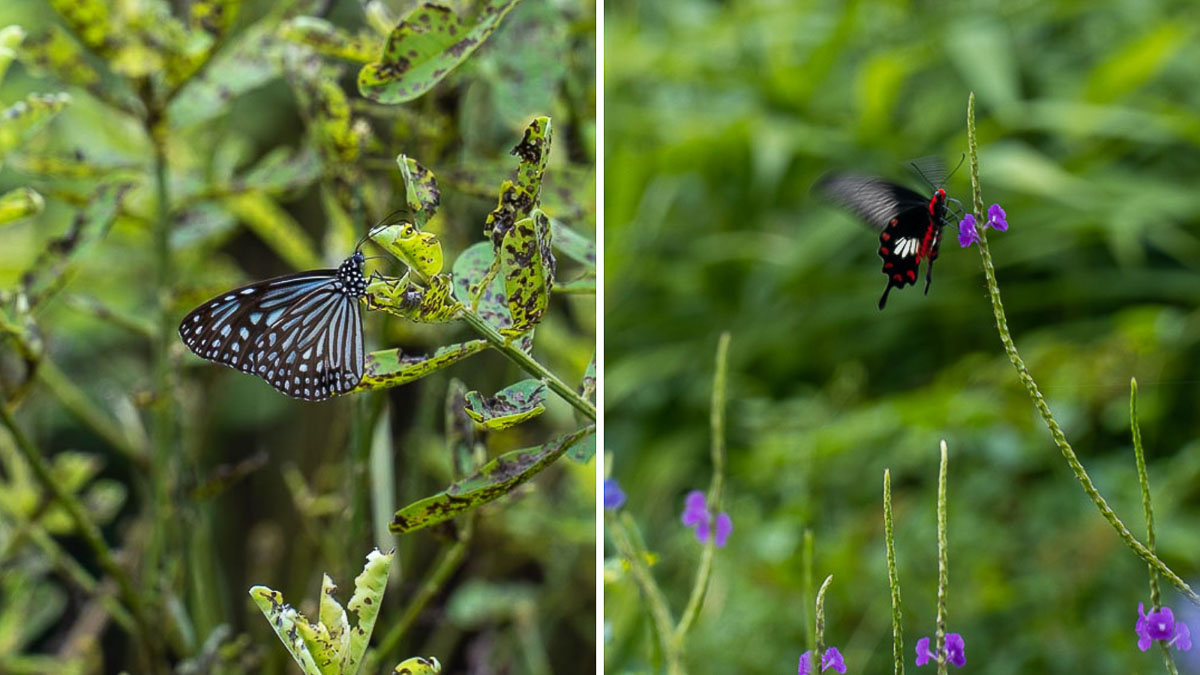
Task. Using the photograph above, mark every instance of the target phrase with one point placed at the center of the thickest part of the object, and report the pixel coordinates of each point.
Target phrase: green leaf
(327, 39)
(420, 251)
(55, 53)
(10, 39)
(419, 665)
(251, 59)
(364, 604)
(494, 480)
(89, 226)
(470, 268)
(20, 120)
(510, 406)
(90, 21)
(287, 624)
(429, 42)
(392, 367)
(20, 203)
(527, 265)
(275, 227)
(518, 198)
(583, 451)
(575, 246)
(282, 171)
(431, 303)
(587, 388)
(421, 189)
(331, 646)
(214, 17)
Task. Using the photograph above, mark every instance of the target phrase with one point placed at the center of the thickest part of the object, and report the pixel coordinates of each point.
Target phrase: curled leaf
(429, 42)
(527, 263)
(421, 189)
(419, 665)
(20, 203)
(421, 251)
(510, 406)
(431, 303)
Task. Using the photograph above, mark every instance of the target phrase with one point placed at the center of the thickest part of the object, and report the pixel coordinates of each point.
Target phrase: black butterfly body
(910, 225)
(302, 333)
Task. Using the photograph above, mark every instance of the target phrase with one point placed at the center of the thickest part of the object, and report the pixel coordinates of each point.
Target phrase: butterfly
(302, 333)
(910, 225)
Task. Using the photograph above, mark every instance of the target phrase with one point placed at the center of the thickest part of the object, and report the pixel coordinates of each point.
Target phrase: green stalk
(1139, 455)
(83, 523)
(527, 362)
(660, 611)
(819, 652)
(717, 430)
(893, 575)
(1035, 394)
(810, 601)
(78, 404)
(943, 564)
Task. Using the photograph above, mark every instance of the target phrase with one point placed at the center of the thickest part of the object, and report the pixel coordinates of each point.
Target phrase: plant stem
(87, 529)
(78, 404)
(893, 575)
(1139, 455)
(527, 362)
(717, 430)
(1035, 394)
(660, 612)
(943, 564)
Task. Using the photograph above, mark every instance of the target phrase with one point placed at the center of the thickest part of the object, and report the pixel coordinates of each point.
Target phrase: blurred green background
(719, 118)
(264, 153)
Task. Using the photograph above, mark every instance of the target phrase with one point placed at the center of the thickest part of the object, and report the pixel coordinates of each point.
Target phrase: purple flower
(614, 496)
(996, 218)
(697, 516)
(1161, 625)
(967, 234)
(955, 650)
(831, 659)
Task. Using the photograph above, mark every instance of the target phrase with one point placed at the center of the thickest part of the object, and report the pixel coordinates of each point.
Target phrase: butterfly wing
(907, 234)
(239, 328)
(315, 349)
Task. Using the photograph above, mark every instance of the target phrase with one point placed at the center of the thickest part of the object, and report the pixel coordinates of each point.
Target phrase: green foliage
(153, 158)
(710, 226)
(330, 645)
(510, 406)
(429, 42)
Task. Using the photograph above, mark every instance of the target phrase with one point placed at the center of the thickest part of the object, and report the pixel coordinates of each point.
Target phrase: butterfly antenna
(389, 219)
(957, 166)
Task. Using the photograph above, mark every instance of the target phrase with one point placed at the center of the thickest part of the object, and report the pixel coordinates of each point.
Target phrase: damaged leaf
(527, 265)
(432, 303)
(392, 367)
(420, 251)
(510, 406)
(421, 190)
(327, 39)
(470, 268)
(20, 203)
(494, 480)
(429, 42)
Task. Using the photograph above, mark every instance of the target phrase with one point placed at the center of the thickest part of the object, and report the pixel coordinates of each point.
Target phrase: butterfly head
(350, 273)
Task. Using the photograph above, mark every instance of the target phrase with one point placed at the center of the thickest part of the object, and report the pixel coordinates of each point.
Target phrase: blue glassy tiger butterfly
(910, 224)
(302, 333)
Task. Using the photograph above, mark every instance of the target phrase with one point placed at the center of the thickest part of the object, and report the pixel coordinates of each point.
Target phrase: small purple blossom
(967, 234)
(697, 516)
(831, 659)
(955, 650)
(614, 496)
(996, 218)
(1161, 625)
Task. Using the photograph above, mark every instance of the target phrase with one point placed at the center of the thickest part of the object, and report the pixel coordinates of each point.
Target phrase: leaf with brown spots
(527, 265)
(420, 190)
(392, 367)
(428, 43)
(494, 480)
(420, 251)
(510, 406)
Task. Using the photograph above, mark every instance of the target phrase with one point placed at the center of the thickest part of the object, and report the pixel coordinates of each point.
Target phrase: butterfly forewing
(876, 201)
(301, 333)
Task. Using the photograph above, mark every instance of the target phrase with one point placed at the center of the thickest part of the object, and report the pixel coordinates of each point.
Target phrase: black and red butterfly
(910, 225)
